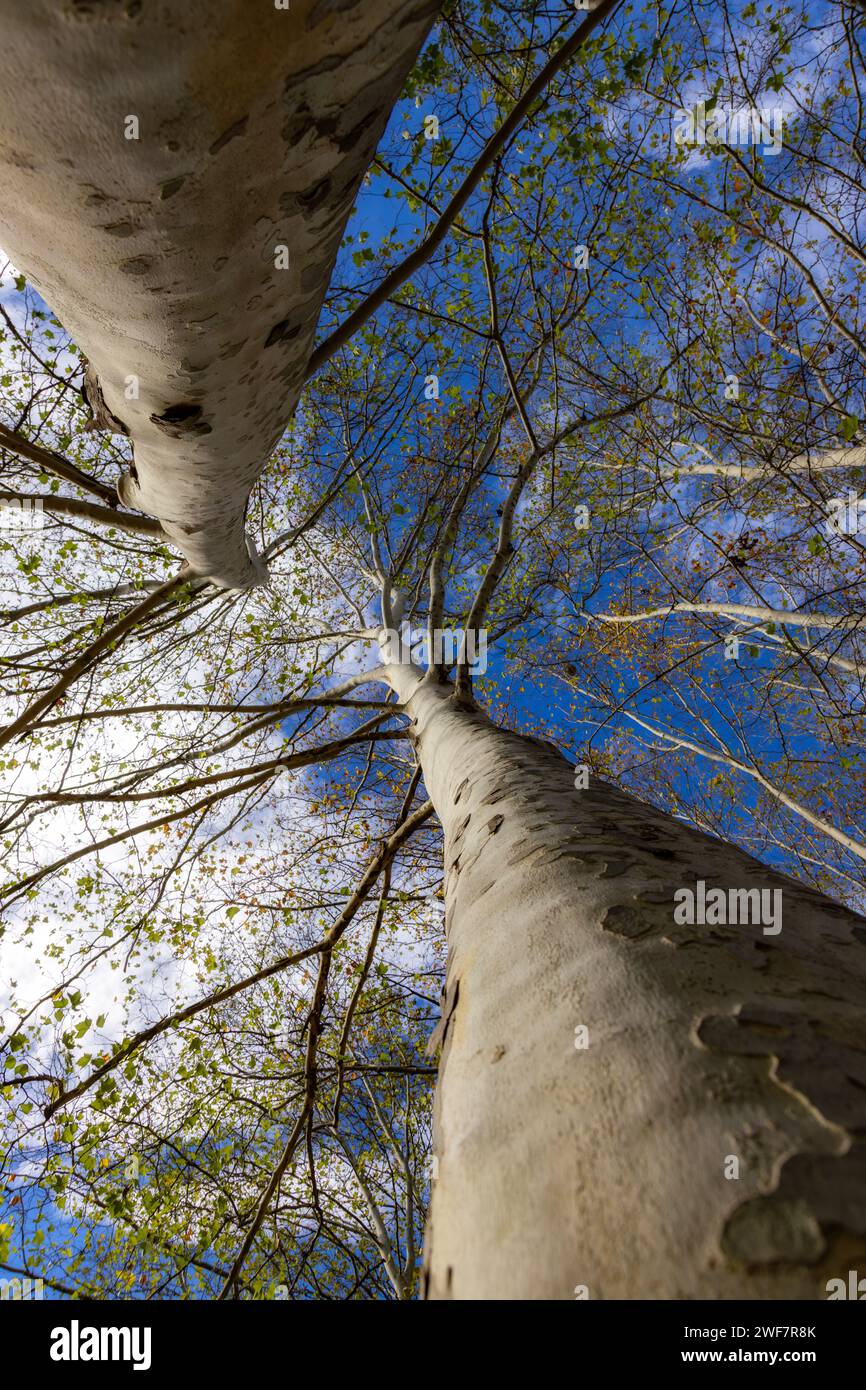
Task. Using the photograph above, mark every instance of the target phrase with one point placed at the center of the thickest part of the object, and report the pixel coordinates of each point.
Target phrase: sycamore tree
(433, 829)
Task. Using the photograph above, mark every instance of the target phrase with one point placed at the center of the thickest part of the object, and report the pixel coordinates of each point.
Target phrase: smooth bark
(563, 1168)
(251, 128)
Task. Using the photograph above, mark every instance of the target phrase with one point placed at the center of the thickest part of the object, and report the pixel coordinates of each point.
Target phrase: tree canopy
(589, 381)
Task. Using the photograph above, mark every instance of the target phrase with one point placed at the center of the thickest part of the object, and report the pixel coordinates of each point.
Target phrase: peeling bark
(159, 254)
(604, 1167)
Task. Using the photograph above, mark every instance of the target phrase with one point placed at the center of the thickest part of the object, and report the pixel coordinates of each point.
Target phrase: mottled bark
(160, 254)
(561, 1167)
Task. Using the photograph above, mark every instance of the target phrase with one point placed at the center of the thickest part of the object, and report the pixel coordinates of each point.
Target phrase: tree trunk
(156, 157)
(605, 1170)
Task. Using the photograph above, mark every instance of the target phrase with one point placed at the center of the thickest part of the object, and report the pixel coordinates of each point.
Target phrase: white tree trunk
(252, 127)
(561, 1168)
